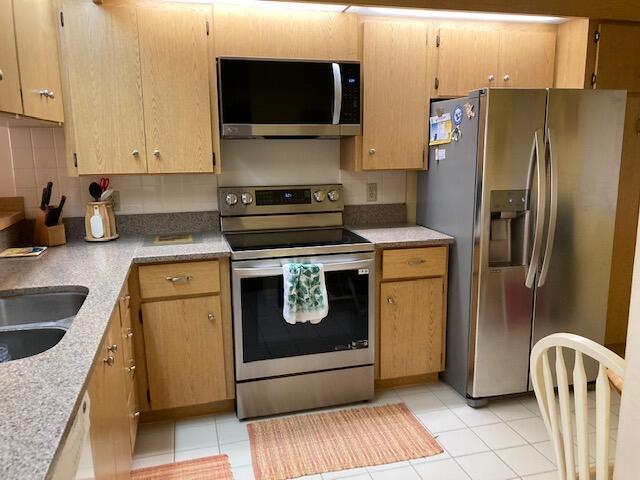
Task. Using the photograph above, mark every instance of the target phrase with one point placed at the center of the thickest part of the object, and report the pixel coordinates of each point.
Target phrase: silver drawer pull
(416, 261)
(112, 348)
(109, 360)
(129, 332)
(136, 414)
(182, 279)
(391, 301)
(131, 369)
(211, 317)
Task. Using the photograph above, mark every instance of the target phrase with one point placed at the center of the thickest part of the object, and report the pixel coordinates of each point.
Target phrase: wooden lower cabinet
(411, 327)
(184, 352)
(110, 426)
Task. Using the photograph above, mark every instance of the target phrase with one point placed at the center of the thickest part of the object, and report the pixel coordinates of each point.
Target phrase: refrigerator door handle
(536, 150)
(553, 210)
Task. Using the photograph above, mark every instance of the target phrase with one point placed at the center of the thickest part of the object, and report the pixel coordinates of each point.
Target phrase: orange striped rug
(216, 467)
(324, 442)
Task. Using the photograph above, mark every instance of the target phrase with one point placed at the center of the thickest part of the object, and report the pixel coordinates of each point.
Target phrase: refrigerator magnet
(440, 129)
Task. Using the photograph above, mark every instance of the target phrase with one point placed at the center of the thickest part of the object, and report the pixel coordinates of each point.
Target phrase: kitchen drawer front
(175, 279)
(414, 263)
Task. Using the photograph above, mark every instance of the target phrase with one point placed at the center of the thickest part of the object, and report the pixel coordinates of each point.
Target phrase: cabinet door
(467, 60)
(184, 350)
(175, 79)
(10, 100)
(617, 67)
(100, 47)
(109, 421)
(37, 40)
(411, 327)
(395, 96)
(527, 59)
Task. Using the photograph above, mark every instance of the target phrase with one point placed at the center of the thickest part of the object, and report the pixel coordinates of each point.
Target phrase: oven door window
(266, 335)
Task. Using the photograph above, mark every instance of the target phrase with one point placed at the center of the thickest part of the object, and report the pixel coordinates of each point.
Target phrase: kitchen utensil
(95, 191)
(104, 183)
(106, 216)
(106, 195)
(53, 216)
(48, 191)
(43, 201)
(97, 228)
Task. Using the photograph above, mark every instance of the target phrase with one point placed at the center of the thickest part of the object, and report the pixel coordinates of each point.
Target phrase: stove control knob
(319, 195)
(334, 195)
(231, 199)
(246, 198)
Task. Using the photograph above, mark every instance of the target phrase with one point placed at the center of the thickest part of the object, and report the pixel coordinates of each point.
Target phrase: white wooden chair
(557, 414)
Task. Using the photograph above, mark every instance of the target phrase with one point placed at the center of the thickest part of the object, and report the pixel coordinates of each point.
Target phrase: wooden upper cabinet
(526, 59)
(175, 80)
(36, 38)
(184, 352)
(467, 60)
(618, 64)
(100, 48)
(10, 100)
(250, 31)
(395, 95)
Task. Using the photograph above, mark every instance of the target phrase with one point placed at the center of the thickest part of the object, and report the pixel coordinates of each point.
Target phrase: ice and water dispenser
(509, 231)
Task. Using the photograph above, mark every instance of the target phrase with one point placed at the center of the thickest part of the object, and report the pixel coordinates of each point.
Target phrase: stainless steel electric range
(282, 367)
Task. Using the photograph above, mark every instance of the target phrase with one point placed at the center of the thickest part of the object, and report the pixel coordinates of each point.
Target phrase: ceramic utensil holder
(104, 222)
(48, 236)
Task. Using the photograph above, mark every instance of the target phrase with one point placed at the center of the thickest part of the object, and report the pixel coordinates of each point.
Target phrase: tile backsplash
(29, 157)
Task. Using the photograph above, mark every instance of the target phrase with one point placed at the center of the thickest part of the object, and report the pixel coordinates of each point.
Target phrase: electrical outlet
(372, 192)
(116, 200)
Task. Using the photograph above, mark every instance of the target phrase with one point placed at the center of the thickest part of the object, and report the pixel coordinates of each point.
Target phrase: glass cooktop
(292, 239)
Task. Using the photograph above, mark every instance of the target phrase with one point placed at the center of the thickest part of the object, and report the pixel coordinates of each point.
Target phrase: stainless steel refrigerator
(528, 187)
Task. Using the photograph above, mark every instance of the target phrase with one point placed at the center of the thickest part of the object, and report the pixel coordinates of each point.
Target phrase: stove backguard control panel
(239, 201)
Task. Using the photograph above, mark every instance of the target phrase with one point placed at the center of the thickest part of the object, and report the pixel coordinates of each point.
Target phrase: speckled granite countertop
(38, 395)
(404, 235)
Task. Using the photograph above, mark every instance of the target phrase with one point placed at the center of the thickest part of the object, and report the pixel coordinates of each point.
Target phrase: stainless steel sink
(31, 323)
(31, 341)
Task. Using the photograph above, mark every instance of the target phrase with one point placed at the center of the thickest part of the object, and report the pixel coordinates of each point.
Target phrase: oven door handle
(269, 271)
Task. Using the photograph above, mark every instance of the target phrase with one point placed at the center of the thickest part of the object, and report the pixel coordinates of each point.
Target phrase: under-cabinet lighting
(452, 15)
(326, 7)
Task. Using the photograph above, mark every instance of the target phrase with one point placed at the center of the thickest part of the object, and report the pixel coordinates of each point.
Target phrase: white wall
(29, 157)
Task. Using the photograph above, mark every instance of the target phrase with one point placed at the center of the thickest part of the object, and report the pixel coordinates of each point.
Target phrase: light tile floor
(505, 440)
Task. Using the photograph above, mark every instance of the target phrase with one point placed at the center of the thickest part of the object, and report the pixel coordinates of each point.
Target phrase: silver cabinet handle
(135, 152)
(156, 153)
(46, 93)
(211, 316)
(129, 332)
(109, 360)
(372, 151)
(506, 77)
(182, 279)
(391, 301)
(131, 369)
(1, 75)
(416, 261)
(112, 348)
(491, 78)
(135, 414)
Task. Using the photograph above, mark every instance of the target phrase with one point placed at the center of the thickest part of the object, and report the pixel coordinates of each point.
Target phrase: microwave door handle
(337, 93)
(553, 210)
(537, 151)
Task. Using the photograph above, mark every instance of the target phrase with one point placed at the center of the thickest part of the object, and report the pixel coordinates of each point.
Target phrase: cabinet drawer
(414, 262)
(173, 279)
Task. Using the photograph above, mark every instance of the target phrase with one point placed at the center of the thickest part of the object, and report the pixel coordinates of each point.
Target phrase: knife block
(48, 236)
(105, 210)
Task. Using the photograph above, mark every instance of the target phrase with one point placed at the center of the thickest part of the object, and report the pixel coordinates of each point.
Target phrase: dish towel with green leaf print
(305, 293)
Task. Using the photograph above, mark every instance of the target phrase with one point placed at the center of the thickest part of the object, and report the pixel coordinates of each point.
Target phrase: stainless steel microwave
(288, 98)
